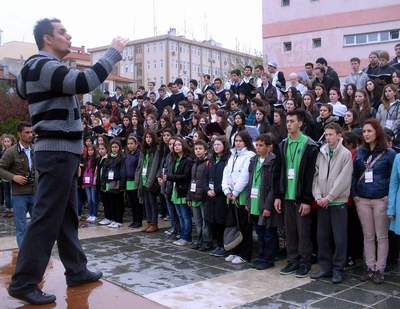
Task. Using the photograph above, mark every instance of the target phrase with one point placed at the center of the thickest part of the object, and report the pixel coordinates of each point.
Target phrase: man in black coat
(175, 98)
(322, 78)
(162, 102)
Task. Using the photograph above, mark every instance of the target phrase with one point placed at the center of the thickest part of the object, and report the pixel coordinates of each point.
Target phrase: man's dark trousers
(298, 235)
(332, 237)
(55, 217)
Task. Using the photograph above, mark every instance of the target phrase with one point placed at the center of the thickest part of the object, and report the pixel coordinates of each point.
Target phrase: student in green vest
(146, 181)
(331, 190)
(131, 164)
(260, 201)
(234, 182)
(179, 176)
(197, 195)
(297, 155)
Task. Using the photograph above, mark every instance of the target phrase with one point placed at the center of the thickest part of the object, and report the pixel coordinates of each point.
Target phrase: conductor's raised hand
(119, 43)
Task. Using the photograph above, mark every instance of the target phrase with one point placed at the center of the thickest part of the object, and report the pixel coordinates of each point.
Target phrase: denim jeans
(91, 196)
(7, 194)
(268, 242)
(202, 227)
(22, 204)
(185, 221)
(171, 214)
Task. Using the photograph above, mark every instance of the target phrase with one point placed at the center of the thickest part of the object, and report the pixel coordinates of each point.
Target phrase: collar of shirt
(47, 54)
(24, 149)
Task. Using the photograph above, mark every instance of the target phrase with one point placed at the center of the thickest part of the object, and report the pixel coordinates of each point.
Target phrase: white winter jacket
(236, 171)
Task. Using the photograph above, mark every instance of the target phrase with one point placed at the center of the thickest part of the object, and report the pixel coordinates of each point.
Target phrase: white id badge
(290, 173)
(86, 179)
(144, 171)
(193, 186)
(389, 124)
(369, 176)
(254, 193)
(110, 175)
(211, 186)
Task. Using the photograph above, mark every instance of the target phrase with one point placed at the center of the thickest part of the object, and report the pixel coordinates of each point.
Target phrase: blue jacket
(394, 196)
(131, 163)
(379, 188)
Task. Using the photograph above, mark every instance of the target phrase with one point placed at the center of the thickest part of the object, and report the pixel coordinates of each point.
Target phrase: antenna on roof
(154, 19)
(205, 26)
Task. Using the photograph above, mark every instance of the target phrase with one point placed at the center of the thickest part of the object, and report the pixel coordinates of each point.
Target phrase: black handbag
(232, 235)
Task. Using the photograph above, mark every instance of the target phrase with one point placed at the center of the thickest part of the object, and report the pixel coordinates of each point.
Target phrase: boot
(153, 228)
(146, 227)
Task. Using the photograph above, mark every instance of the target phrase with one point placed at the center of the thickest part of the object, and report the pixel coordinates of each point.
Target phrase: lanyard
(234, 161)
(292, 155)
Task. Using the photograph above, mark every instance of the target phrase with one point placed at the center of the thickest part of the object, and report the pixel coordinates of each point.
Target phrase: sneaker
(378, 277)
(289, 269)
(238, 260)
(303, 271)
(135, 225)
(105, 222)
(218, 252)
(367, 275)
(90, 219)
(28, 216)
(170, 231)
(230, 258)
(181, 242)
(112, 225)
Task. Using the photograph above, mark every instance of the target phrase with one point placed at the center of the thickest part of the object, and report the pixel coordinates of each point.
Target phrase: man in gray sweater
(50, 88)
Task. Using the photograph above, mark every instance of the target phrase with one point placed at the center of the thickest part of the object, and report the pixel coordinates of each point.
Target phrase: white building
(164, 58)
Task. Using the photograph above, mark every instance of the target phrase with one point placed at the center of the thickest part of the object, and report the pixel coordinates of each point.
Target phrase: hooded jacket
(236, 171)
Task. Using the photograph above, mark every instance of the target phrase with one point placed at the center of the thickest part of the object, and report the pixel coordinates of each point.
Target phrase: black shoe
(378, 277)
(204, 248)
(218, 252)
(337, 277)
(289, 269)
(303, 271)
(35, 297)
(135, 225)
(367, 275)
(263, 265)
(87, 277)
(321, 274)
(195, 246)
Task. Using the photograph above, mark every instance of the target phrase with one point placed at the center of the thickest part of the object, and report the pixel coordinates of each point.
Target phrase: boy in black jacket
(297, 154)
(260, 201)
(197, 195)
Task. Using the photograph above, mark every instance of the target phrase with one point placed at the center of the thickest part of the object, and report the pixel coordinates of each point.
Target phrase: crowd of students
(298, 160)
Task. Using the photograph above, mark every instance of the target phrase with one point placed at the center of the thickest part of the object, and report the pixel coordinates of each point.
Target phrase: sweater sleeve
(58, 78)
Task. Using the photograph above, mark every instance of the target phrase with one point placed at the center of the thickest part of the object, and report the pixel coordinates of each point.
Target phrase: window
(361, 38)
(371, 38)
(316, 43)
(126, 69)
(161, 80)
(285, 2)
(394, 34)
(287, 46)
(161, 63)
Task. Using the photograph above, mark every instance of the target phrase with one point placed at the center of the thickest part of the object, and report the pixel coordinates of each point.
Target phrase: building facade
(300, 31)
(164, 58)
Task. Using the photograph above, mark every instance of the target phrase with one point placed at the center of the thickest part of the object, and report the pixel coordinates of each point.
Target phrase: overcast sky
(95, 23)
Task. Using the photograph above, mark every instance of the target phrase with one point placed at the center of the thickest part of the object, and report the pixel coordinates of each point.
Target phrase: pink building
(300, 31)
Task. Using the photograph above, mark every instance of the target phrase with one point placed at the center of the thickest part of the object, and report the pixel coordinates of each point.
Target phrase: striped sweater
(50, 88)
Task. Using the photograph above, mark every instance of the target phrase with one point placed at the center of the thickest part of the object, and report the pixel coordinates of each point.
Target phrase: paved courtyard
(147, 269)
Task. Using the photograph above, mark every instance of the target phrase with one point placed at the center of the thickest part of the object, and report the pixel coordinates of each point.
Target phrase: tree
(13, 110)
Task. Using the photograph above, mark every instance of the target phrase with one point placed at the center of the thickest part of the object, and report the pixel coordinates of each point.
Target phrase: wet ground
(147, 271)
